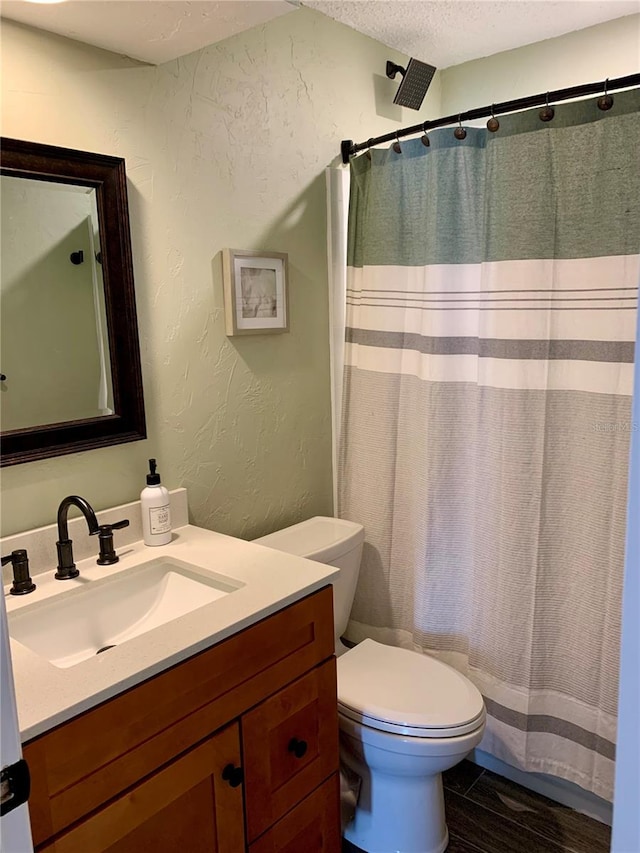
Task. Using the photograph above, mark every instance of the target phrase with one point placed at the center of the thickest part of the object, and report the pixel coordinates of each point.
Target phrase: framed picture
(256, 299)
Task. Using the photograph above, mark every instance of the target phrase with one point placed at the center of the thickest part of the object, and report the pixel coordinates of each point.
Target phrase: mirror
(56, 364)
(69, 352)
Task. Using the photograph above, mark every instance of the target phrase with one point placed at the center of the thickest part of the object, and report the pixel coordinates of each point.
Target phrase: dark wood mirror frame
(107, 176)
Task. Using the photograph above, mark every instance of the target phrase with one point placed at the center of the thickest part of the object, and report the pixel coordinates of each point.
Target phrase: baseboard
(566, 793)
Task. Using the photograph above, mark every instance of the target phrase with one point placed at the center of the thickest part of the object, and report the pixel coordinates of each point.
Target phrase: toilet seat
(407, 693)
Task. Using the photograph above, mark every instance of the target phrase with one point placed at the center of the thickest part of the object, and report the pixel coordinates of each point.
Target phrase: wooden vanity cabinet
(234, 749)
(185, 806)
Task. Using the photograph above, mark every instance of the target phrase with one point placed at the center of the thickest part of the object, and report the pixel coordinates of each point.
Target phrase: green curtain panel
(491, 300)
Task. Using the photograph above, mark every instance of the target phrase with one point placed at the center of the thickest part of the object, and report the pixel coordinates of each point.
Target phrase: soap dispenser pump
(156, 512)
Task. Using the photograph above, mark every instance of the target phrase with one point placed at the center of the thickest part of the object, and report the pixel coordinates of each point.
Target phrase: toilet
(404, 717)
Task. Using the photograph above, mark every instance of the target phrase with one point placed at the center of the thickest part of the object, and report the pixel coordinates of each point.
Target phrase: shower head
(416, 79)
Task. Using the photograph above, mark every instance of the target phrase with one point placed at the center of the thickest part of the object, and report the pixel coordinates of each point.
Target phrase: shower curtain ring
(493, 124)
(369, 141)
(396, 145)
(606, 101)
(424, 138)
(460, 132)
(547, 112)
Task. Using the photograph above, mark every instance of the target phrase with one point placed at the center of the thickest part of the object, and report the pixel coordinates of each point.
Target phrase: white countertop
(48, 695)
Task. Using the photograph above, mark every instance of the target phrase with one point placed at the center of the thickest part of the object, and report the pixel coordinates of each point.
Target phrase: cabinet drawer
(94, 757)
(312, 826)
(185, 806)
(290, 746)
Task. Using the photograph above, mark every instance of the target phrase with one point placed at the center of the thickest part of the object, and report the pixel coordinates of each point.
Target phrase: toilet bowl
(404, 717)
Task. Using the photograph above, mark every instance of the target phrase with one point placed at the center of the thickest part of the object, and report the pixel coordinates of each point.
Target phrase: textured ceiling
(440, 32)
(154, 31)
(448, 32)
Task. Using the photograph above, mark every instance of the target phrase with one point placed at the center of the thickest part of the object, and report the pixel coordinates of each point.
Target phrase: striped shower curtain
(492, 289)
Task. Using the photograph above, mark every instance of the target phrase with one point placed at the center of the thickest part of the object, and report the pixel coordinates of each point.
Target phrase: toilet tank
(334, 542)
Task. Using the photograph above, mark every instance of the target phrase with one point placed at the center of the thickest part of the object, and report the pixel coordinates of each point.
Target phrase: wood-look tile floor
(489, 814)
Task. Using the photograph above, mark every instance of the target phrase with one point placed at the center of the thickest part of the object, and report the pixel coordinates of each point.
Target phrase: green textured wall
(224, 148)
(608, 50)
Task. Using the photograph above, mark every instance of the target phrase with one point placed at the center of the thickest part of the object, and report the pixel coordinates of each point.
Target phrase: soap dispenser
(156, 512)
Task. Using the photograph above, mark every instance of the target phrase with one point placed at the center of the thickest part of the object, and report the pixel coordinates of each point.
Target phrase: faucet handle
(22, 582)
(107, 555)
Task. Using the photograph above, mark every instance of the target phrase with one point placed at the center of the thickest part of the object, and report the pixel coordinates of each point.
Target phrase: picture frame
(256, 293)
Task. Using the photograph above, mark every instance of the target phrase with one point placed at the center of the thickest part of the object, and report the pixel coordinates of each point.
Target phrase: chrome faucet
(66, 566)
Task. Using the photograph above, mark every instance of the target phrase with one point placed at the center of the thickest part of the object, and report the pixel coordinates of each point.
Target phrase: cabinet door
(312, 826)
(290, 744)
(186, 806)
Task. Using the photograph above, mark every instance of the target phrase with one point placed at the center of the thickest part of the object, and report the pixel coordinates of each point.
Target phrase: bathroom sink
(95, 616)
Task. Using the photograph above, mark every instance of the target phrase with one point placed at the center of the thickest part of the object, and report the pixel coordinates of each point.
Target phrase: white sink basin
(73, 626)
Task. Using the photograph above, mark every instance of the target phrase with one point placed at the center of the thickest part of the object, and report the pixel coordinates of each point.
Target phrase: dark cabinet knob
(297, 747)
(233, 775)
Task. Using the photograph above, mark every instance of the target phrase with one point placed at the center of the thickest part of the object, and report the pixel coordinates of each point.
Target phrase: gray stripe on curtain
(358, 303)
(608, 351)
(550, 725)
(551, 297)
(412, 293)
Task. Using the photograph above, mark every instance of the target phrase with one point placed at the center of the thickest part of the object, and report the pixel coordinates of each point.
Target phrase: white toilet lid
(402, 691)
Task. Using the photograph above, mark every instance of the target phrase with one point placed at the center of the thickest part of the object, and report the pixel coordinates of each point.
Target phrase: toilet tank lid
(320, 538)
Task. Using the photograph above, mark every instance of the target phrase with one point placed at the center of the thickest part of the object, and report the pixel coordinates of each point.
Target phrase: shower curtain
(491, 299)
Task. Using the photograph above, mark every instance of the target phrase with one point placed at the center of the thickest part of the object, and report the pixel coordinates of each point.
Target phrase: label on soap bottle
(159, 519)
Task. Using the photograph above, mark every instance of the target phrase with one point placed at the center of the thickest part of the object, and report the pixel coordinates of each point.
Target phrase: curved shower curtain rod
(348, 147)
